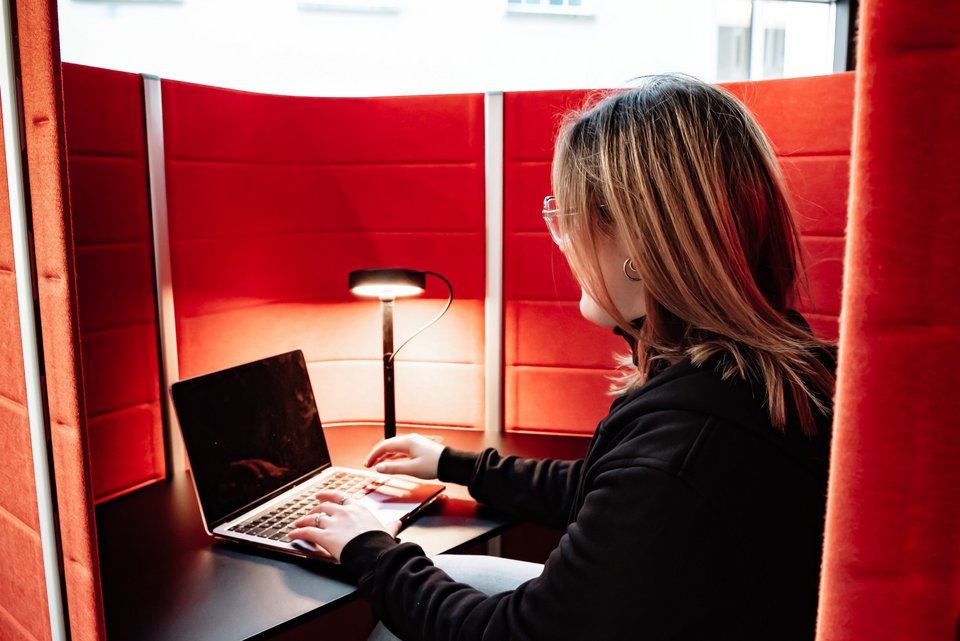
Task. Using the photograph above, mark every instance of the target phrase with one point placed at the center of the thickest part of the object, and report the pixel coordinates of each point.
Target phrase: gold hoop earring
(627, 268)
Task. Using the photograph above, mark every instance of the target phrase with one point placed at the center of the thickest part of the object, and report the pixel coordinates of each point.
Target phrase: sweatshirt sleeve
(537, 490)
(622, 567)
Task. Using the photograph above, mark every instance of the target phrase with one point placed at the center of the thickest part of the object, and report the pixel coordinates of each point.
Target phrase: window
(398, 47)
(761, 39)
(733, 53)
(773, 46)
(734, 28)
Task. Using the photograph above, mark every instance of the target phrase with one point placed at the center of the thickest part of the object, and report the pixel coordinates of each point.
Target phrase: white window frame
(543, 7)
(351, 6)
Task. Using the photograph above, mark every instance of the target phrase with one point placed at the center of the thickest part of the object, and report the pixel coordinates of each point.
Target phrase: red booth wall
(266, 220)
(109, 197)
(274, 199)
(557, 365)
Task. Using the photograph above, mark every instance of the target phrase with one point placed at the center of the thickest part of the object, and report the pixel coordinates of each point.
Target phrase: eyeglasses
(551, 216)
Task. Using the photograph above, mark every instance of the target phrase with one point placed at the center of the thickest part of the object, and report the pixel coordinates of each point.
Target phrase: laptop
(258, 455)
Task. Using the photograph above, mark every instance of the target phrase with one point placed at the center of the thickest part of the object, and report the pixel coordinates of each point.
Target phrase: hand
(340, 522)
(408, 454)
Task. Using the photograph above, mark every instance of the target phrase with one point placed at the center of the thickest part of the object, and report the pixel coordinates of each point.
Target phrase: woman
(697, 512)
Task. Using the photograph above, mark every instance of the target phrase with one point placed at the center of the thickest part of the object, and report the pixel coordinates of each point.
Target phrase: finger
(314, 536)
(333, 496)
(397, 444)
(394, 456)
(311, 520)
(318, 551)
(311, 534)
(332, 508)
(379, 451)
(395, 467)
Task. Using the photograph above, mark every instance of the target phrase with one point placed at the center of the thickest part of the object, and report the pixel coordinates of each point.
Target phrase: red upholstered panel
(892, 547)
(109, 197)
(274, 199)
(23, 597)
(557, 364)
(809, 121)
(39, 58)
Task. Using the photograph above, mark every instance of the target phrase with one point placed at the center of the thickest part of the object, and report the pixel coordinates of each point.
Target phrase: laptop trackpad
(398, 497)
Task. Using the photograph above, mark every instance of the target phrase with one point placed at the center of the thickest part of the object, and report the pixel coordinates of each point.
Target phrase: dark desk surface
(164, 578)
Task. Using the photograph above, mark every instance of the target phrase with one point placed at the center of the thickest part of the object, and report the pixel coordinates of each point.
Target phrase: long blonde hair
(679, 172)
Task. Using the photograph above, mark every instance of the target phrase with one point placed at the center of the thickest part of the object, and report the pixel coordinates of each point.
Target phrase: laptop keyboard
(277, 523)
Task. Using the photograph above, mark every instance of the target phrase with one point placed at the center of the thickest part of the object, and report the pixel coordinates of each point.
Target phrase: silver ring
(316, 519)
(343, 501)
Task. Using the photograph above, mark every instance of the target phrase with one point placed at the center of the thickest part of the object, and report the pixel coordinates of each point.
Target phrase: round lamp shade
(387, 283)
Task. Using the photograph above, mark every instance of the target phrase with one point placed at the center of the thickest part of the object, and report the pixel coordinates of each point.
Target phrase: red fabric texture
(23, 596)
(274, 199)
(109, 201)
(39, 57)
(809, 122)
(557, 364)
(892, 548)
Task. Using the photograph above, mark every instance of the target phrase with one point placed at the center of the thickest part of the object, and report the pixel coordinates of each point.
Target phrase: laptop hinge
(249, 507)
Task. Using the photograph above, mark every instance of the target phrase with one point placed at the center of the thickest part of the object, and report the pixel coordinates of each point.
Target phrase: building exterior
(387, 47)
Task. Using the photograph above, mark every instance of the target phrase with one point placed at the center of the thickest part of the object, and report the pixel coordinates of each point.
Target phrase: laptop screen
(249, 430)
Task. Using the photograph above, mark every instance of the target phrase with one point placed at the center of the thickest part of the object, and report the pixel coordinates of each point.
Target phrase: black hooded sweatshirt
(690, 518)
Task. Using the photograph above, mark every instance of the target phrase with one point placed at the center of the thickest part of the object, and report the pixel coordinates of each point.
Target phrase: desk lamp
(388, 285)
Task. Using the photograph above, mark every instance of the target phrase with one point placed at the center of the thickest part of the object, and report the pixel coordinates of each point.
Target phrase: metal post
(493, 305)
(389, 408)
(163, 272)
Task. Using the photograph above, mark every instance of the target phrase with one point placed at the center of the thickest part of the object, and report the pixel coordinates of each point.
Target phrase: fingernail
(381, 467)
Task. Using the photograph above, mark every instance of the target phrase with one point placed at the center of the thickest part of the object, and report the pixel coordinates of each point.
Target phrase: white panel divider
(42, 469)
(166, 320)
(493, 307)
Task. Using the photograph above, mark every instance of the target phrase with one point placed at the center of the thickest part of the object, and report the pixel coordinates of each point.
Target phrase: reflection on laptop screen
(249, 430)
